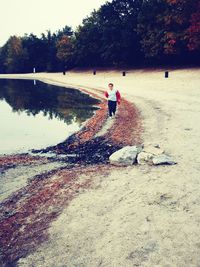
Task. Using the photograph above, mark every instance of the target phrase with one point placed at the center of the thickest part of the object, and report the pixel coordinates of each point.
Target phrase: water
(34, 115)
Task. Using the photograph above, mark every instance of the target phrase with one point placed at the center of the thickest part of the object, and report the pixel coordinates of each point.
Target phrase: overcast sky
(36, 16)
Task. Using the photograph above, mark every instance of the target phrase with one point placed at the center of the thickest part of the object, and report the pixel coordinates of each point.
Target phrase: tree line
(121, 33)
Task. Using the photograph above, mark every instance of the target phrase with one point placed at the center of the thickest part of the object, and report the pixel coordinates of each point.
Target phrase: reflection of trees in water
(52, 101)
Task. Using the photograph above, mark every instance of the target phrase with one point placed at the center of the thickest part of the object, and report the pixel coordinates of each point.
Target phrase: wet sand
(130, 216)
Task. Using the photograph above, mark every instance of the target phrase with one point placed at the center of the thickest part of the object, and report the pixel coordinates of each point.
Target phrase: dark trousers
(112, 105)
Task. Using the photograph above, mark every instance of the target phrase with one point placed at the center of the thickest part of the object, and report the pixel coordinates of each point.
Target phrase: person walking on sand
(114, 98)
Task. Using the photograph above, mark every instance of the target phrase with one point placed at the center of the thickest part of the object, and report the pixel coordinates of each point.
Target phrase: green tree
(87, 42)
(108, 36)
(120, 40)
(150, 28)
(36, 51)
(50, 53)
(66, 31)
(3, 55)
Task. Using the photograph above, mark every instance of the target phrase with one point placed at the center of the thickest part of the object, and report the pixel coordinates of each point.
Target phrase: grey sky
(36, 16)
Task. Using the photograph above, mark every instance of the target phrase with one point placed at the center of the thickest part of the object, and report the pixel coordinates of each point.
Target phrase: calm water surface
(35, 115)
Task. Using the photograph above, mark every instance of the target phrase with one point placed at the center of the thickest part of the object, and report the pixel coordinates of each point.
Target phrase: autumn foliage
(194, 30)
(121, 33)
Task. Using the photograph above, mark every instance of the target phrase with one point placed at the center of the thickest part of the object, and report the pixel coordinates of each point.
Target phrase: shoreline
(97, 125)
(92, 146)
(137, 215)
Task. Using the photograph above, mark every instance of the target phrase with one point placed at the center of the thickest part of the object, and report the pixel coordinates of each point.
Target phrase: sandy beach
(138, 215)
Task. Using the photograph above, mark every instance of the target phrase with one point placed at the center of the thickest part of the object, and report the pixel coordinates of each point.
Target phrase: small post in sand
(124, 73)
(166, 74)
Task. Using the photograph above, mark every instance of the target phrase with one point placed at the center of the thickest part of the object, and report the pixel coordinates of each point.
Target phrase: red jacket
(117, 95)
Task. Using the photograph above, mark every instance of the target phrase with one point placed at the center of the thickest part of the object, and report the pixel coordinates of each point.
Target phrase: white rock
(163, 159)
(125, 156)
(145, 158)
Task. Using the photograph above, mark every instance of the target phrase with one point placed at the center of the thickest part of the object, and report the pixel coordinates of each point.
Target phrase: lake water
(34, 115)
